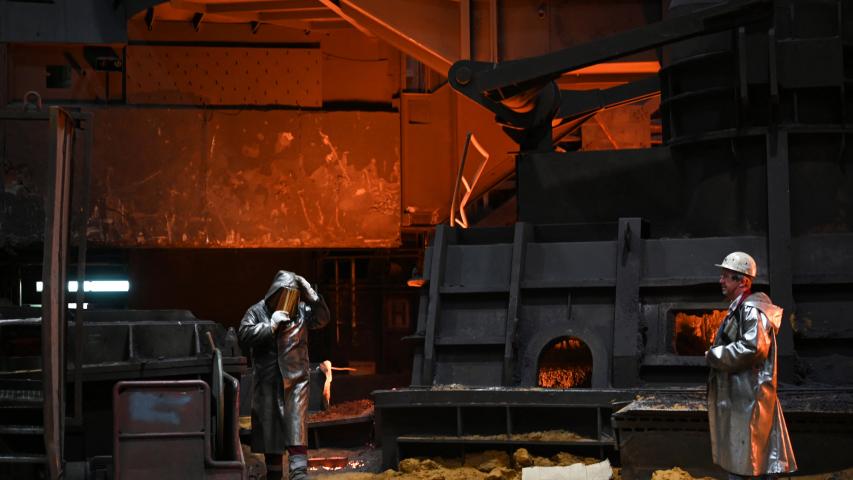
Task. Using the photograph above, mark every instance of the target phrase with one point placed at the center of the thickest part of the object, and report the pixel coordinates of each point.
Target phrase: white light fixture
(94, 286)
(70, 305)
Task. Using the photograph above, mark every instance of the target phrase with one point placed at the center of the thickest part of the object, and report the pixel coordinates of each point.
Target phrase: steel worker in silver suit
(748, 433)
(276, 331)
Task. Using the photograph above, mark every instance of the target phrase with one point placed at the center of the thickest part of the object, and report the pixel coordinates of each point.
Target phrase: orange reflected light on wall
(618, 68)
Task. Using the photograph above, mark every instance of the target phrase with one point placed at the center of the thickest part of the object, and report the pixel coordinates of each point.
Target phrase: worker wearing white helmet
(748, 433)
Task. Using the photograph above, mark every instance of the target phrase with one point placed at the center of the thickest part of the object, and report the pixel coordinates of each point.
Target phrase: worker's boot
(298, 467)
(273, 465)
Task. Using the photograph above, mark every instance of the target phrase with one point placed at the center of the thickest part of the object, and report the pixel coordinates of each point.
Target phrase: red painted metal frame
(211, 468)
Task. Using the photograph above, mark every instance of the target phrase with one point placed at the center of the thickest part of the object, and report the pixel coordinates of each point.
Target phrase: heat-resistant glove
(307, 290)
(278, 317)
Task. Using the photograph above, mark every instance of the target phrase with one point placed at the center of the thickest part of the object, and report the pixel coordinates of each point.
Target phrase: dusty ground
(843, 475)
(497, 465)
(679, 474)
(489, 465)
(676, 474)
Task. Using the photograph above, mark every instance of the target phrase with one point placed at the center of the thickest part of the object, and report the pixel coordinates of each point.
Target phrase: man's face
(729, 284)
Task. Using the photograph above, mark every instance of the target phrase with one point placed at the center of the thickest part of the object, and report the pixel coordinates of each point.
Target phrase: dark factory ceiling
(303, 14)
(436, 33)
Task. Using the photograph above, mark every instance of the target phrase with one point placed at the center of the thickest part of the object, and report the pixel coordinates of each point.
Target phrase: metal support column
(57, 209)
(436, 278)
(779, 245)
(465, 29)
(80, 190)
(523, 234)
(4, 75)
(629, 257)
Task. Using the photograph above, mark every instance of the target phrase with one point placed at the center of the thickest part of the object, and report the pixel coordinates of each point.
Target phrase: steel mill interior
(507, 218)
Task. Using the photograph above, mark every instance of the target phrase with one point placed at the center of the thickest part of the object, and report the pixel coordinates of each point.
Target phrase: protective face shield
(288, 300)
(739, 262)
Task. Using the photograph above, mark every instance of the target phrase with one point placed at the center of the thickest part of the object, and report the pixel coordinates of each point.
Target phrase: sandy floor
(489, 465)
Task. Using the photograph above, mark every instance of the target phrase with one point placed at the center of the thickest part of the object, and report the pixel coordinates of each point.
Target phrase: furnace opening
(694, 332)
(565, 363)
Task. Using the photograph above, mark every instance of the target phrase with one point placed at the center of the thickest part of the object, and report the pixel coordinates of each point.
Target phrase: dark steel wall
(756, 159)
(722, 94)
(718, 187)
(84, 21)
(495, 298)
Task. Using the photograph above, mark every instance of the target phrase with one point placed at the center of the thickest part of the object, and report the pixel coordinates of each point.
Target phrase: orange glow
(618, 68)
(566, 363)
(694, 334)
(329, 463)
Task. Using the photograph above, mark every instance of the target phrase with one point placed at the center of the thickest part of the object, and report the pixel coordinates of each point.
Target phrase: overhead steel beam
(476, 79)
(333, 6)
(427, 31)
(523, 94)
(258, 6)
(311, 24)
(574, 104)
(321, 13)
(132, 7)
(328, 24)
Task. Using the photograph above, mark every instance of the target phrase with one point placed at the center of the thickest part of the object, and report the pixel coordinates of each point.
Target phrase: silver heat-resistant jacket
(280, 369)
(748, 432)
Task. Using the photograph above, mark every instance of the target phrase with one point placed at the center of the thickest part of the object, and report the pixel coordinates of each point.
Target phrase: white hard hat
(740, 262)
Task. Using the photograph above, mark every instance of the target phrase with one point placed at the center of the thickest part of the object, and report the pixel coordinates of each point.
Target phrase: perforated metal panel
(224, 76)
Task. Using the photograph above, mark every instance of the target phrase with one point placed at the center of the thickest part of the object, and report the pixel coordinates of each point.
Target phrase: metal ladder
(22, 449)
(21, 426)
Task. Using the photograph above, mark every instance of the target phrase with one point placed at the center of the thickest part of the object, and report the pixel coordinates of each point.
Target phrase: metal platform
(448, 420)
(662, 428)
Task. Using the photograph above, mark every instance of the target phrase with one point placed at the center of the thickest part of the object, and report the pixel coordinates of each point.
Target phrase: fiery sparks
(566, 363)
(694, 334)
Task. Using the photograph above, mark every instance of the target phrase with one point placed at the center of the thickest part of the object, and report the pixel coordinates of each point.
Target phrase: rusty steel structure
(319, 86)
(605, 156)
(177, 415)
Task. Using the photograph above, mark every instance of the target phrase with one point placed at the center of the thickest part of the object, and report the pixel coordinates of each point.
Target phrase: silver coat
(748, 432)
(280, 369)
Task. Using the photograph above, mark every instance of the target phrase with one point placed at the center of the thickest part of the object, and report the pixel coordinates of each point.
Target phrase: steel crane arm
(514, 84)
